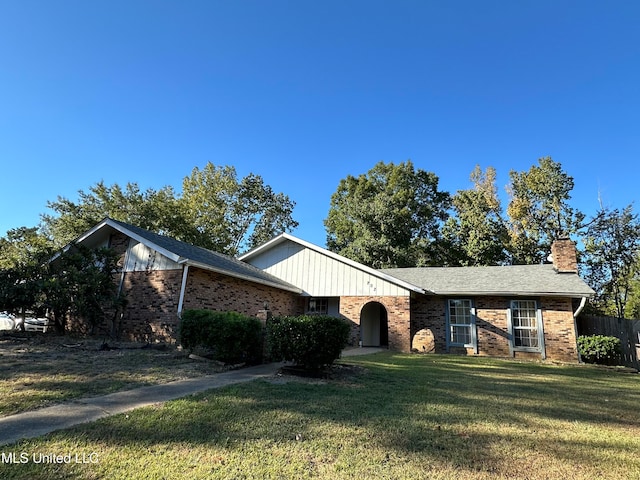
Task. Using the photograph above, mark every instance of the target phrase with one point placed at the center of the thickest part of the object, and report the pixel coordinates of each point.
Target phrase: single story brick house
(525, 311)
(519, 311)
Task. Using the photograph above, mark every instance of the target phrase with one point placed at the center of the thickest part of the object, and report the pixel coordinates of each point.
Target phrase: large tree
(632, 309)
(21, 245)
(215, 210)
(23, 252)
(612, 258)
(476, 234)
(155, 210)
(389, 217)
(75, 282)
(233, 215)
(539, 210)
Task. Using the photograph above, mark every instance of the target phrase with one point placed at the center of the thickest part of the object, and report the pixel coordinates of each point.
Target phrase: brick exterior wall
(219, 292)
(491, 323)
(428, 315)
(398, 318)
(152, 305)
(559, 329)
(153, 297)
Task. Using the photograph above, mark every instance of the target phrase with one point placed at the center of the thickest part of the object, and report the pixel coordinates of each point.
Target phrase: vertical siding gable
(141, 258)
(320, 275)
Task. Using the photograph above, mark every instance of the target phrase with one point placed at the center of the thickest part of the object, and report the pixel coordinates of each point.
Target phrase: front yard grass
(40, 370)
(400, 416)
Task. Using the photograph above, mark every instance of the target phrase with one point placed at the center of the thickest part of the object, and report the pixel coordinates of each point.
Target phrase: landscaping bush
(599, 349)
(310, 341)
(232, 337)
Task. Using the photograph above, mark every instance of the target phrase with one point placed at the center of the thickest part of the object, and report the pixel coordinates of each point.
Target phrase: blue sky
(306, 92)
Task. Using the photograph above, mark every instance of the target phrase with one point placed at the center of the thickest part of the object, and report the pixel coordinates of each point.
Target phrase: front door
(374, 331)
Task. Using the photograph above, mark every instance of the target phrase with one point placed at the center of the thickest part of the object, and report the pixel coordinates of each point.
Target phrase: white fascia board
(265, 246)
(352, 263)
(80, 239)
(90, 232)
(176, 258)
(107, 222)
(203, 266)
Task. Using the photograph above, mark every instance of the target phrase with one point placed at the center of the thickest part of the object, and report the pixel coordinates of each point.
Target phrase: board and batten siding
(140, 258)
(319, 275)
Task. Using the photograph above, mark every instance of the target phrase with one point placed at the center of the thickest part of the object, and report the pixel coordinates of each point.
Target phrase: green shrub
(310, 341)
(599, 348)
(232, 337)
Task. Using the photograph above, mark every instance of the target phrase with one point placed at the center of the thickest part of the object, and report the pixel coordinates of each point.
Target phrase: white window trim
(539, 325)
(472, 326)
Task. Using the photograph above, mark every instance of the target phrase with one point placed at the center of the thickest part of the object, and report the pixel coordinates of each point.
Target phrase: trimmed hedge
(310, 341)
(599, 349)
(231, 336)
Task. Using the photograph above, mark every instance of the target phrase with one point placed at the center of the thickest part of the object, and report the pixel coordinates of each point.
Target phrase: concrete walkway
(57, 417)
(356, 351)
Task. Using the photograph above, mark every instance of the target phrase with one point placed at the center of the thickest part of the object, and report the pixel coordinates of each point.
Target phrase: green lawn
(41, 371)
(402, 416)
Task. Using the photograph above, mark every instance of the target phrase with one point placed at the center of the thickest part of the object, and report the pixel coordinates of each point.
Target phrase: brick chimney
(563, 255)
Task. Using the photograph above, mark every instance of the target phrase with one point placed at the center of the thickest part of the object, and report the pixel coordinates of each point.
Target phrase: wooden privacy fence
(628, 331)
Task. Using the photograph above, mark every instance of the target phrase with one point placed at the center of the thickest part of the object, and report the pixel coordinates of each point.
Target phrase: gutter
(583, 302)
(503, 293)
(183, 286)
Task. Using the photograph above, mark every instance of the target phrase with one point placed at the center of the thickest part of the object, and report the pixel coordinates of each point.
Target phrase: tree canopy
(612, 258)
(389, 217)
(476, 234)
(155, 210)
(231, 215)
(216, 210)
(76, 282)
(21, 245)
(539, 210)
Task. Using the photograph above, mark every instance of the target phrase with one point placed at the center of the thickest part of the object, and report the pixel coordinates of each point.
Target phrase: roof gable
(186, 254)
(320, 272)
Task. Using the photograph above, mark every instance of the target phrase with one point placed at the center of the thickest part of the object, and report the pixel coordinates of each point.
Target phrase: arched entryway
(374, 325)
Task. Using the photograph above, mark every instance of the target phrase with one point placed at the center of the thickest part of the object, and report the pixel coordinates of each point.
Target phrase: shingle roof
(520, 280)
(201, 257)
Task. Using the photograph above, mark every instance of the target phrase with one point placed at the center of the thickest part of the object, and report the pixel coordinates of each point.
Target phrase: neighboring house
(520, 311)
(160, 277)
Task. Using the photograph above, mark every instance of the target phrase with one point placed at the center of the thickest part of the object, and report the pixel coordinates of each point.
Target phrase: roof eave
(264, 246)
(167, 253)
(96, 228)
(249, 278)
(444, 293)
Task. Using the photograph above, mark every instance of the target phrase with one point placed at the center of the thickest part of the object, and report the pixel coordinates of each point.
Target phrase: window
(318, 305)
(525, 326)
(461, 319)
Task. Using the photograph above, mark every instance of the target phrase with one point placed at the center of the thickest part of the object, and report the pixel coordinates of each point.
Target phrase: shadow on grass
(478, 415)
